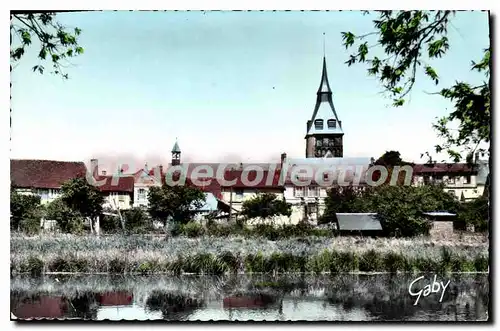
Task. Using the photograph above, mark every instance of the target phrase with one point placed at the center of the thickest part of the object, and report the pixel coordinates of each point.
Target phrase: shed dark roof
(44, 173)
(358, 221)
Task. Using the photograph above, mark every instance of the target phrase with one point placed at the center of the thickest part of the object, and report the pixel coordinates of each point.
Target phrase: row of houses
(44, 177)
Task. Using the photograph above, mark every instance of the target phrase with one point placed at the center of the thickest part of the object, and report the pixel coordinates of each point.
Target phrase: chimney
(94, 167)
(283, 158)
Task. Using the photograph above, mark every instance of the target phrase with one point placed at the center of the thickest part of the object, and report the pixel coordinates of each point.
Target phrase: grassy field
(212, 255)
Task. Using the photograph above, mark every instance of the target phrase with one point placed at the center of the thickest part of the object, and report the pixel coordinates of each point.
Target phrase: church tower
(324, 136)
(176, 154)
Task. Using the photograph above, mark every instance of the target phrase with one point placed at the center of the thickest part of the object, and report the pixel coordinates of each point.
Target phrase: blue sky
(232, 86)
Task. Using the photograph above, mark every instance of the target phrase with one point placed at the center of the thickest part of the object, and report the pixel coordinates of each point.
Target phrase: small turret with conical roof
(176, 154)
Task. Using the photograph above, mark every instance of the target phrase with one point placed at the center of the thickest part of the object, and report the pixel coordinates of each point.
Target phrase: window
(313, 192)
(319, 143)
(121, 198)
(239, 194)
(141, 194)
(332, 124)
(298, 191)
(451, 180)
(451, 192)
(467, 179)
(318, 124)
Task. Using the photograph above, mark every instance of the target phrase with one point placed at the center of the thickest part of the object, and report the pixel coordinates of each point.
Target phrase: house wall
(300, 196)
(455, 185)
(122, 200)
(46, 195)
(141, 195)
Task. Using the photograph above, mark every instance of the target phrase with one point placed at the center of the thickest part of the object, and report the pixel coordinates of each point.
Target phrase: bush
(265, 206)
(192, 229)
(68, 220)
(136, 220)
(26, 212)
(31, 224)
(109, 223)
(394, 262)
(371, 261)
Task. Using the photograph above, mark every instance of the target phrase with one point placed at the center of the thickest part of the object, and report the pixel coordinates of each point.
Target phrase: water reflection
(238, 297)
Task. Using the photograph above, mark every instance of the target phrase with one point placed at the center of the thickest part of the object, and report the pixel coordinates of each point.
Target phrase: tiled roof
(358, 221)
(252, 176)
(443, 168)
(119, 184)
(44, 173)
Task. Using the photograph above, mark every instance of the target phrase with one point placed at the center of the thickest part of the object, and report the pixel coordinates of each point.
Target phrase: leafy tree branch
(57, 43)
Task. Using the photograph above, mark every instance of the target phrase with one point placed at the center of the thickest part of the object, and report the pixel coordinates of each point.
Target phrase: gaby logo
(433, 287)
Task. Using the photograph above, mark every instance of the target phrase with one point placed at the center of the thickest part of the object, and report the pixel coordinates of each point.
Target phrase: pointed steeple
(324, 86)
(176, 154)
(324, 109)
(176, 148)
(324, 129)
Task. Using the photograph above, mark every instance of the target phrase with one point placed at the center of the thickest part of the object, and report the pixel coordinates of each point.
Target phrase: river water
(345, 297)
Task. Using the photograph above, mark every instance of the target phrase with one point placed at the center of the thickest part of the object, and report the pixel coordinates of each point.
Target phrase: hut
(443, 223)
(364, 224)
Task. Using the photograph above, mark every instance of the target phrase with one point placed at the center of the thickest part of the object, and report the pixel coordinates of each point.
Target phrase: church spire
(324, 129)
(176, 154)
(324, 86)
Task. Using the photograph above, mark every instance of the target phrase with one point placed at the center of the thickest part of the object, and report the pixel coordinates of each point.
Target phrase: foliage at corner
(264, 206)
(82, 197)
(403, 42)
(476, 213)
(178, 203)
(57, 43)
(26, 212)
(68, 220)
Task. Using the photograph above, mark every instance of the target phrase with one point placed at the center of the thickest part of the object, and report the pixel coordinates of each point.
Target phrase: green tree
(475, 212)
(57, 43)
(68, 220)
(136, 219)
(409, 41)
(25, 212)
(400, 207)
(389, 160)
(178, 203)
(82, 197)
(344, 199)
(264, 206)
